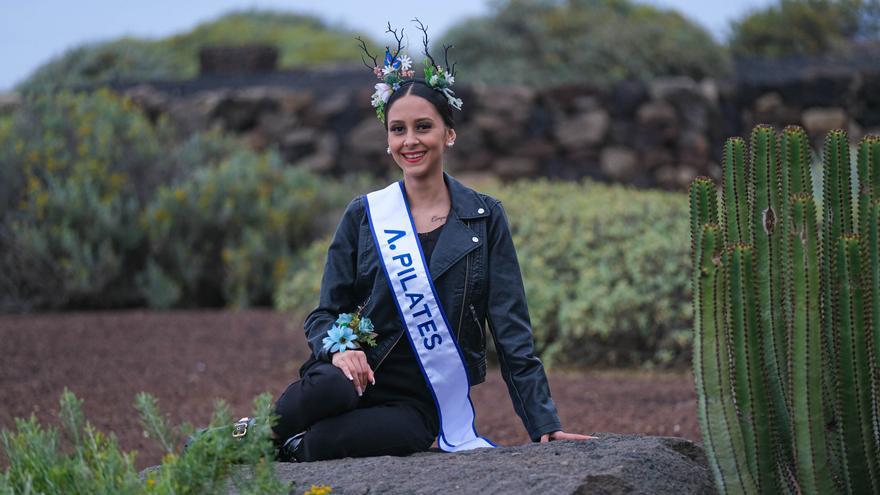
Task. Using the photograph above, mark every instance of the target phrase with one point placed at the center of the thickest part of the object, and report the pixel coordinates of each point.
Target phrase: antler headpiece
(397, 69)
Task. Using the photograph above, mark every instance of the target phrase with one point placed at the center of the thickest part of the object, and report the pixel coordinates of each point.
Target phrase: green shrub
(299, 291)
(606, 276)
(228, 233)
(804, 27)
(75, 170)
(123, 59)
(75, 173)
(599, 41)
(91, 462)
(302, 40)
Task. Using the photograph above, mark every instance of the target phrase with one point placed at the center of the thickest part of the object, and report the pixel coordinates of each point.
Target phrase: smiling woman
(417, 132)
(428, 259)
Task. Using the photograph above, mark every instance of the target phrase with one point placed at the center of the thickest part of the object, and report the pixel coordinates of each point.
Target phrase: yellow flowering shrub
(227, 235)
(76, 170)
(73, 171)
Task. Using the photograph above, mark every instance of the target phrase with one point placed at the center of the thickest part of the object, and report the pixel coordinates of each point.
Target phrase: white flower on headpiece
(434, 79)
(450, 79)
(405, 62)
(388, 70)
(383, 92)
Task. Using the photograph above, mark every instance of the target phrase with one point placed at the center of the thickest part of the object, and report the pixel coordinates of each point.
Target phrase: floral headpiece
(397, 69)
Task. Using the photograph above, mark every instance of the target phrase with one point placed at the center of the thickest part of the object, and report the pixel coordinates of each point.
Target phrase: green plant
(804, 27)
(87, 461)
(124, 59)
(302, 40)
(787, 317)
(76, 170)
(605, 280)
(547, 42)
(227, 234)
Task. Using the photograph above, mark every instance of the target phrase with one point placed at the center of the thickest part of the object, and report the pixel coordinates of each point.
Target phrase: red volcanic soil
(187, 359)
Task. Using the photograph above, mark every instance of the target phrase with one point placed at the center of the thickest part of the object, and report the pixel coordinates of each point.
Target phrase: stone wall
(659, 134)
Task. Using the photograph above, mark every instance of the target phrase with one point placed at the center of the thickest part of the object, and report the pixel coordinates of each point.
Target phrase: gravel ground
(187, 359)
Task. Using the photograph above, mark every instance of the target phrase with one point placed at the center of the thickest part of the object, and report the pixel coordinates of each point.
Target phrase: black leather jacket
(477, 278)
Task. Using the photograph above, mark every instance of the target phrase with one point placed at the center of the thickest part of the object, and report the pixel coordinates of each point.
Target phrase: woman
(382, 400)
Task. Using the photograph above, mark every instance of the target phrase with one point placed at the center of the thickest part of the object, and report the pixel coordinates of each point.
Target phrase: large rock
(819, 121)
(612, 464)
(583, 131)
(9, 103)
(619, 163)
(244, 59)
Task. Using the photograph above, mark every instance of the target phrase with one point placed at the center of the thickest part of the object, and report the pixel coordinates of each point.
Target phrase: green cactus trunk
(711, 371)
(735, 211)
(853, 385)
(768, 236)
(872, 281)
(787, 318)
(806, 351)
(750, 392)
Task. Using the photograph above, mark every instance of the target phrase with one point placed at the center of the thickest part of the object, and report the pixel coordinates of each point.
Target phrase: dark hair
(418, 87)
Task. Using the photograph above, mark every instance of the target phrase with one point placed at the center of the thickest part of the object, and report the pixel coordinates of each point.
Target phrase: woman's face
(417, 136)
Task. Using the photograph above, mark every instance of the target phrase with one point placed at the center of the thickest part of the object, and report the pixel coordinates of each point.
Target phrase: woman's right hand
(354, 365)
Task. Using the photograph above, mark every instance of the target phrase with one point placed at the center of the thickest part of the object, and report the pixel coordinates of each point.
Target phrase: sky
(35, 31)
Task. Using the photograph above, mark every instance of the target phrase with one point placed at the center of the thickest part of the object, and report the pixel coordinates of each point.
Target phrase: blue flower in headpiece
(391, 61)
(344, 319)
(339, 339)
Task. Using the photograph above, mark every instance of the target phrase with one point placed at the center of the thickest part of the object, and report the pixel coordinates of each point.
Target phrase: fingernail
(349, 377)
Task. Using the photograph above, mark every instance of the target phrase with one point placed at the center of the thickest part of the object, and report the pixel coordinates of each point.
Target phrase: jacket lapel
(457, 239)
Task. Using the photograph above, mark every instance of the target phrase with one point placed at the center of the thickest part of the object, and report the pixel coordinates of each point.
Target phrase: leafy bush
(228, 233)
(299, 291)
(38, 462)
(804, 27)
(605, 276)
(302, 40)
(122, 59)
(544, 42)
(75, 170)
(605, 273)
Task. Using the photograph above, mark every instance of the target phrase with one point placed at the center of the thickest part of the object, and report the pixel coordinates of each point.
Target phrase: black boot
(289, 449)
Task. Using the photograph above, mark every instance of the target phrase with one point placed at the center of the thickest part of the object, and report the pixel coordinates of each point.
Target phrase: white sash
(427, 327)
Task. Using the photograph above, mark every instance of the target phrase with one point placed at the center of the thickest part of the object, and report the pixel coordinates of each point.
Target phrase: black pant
(341, 424)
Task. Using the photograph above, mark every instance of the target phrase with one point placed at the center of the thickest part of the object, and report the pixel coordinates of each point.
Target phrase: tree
(537, 42)
(805, 27)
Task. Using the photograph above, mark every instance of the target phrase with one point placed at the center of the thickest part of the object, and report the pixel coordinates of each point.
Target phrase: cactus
(787, 317)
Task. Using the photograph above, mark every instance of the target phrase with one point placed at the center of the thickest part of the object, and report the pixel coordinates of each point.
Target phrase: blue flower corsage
(349, 331)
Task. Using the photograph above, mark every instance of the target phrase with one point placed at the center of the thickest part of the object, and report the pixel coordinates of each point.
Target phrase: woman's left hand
(561, 435)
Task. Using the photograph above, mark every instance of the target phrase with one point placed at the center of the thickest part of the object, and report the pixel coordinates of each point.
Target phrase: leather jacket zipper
(467, 266)
(477, 321)
(389, 351)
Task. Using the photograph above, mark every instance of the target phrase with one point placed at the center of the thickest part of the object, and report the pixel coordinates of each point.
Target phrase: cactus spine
(787, 317)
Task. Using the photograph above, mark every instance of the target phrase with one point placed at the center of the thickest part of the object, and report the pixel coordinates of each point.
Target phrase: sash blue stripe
(442, 313)
(444, 443)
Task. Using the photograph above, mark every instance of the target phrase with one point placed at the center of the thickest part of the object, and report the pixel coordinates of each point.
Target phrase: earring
(388, 150)
(450, 143)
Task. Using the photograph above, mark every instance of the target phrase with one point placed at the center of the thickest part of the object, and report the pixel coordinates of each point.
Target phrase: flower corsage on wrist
(349, 331)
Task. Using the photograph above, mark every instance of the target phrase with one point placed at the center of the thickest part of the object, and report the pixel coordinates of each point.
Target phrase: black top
(399, 377)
